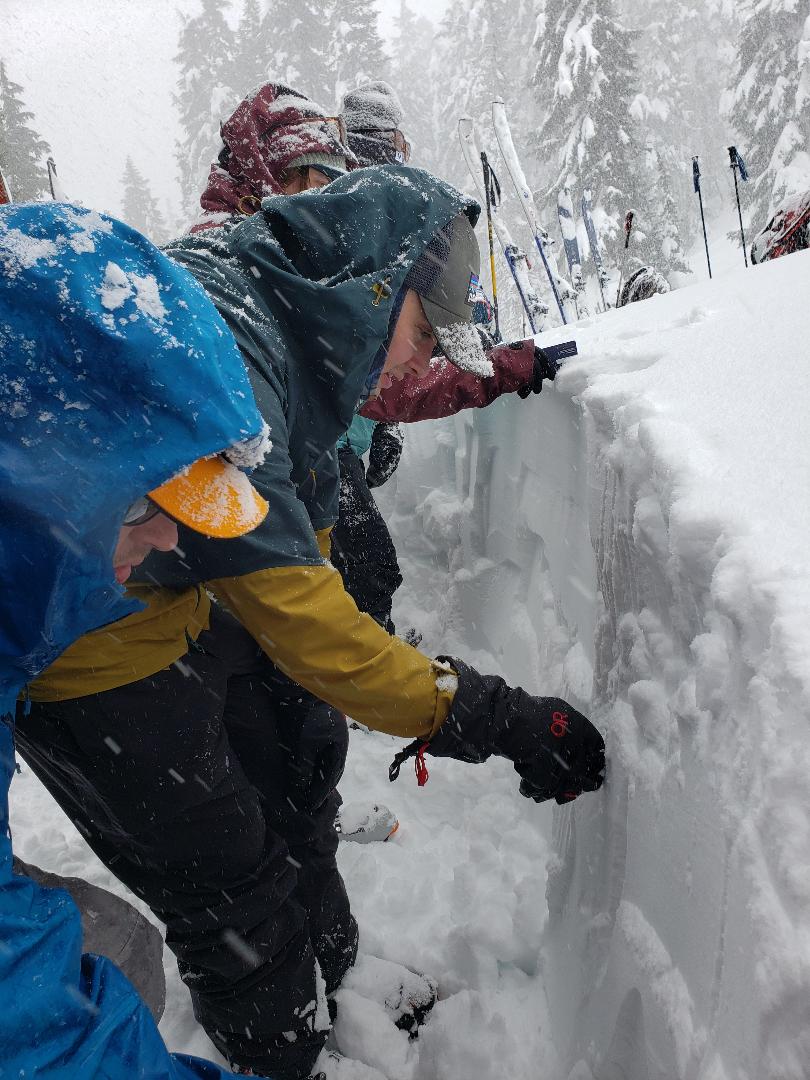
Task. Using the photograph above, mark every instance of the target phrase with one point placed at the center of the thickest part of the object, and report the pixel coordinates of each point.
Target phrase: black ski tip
(561, 351)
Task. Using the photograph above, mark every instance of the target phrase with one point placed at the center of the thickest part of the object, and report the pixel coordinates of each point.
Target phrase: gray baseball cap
(446, 277)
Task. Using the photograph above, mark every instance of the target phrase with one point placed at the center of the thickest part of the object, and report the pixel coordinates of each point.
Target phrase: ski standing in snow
(561, 289)
(516, 259)
(596, 255)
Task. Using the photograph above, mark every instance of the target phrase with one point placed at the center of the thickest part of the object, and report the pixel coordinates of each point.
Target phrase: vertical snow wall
(561, 543)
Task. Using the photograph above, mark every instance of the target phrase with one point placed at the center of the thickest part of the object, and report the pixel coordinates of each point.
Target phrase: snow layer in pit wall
(645, 523)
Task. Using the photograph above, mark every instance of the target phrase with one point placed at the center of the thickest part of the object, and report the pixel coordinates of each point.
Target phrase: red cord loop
(420, 766)
(416, 750)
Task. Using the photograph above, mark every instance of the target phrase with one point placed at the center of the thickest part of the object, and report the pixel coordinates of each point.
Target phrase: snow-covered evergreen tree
(452, 99)
(139, 207)
(667, 122)
(253, 59)
(685, 53)
(411, 76)
(710, 39)
(356, 51)
(298, 33)
(585, 85)
(482, 56)
(205, 94)
(769, 104)
(23, 151)
(670, 226)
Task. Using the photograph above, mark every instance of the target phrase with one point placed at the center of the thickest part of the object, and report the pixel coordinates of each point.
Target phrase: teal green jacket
(358, 437)
(309, 287)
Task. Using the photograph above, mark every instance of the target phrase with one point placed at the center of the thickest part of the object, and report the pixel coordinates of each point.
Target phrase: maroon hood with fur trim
(272, 127)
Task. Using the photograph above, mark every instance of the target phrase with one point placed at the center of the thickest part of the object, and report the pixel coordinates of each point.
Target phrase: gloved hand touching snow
(384, 453)
(557, 752)
(546, 366)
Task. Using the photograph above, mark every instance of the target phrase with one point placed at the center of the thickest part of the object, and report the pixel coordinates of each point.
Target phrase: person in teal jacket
(108, 390)
(363, 549)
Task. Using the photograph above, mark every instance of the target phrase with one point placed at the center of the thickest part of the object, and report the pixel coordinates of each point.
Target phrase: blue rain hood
(115, 373)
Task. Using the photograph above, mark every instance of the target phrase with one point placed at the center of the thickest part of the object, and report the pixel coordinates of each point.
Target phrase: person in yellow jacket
(205, 793)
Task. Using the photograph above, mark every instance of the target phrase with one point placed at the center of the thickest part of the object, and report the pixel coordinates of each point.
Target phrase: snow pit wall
(588, 549)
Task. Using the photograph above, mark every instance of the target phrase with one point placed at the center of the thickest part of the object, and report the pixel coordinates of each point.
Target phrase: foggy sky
(99, 78)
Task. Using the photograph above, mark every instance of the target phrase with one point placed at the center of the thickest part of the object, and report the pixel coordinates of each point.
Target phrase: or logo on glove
(559, 724)
(556, 751)
(577, 754)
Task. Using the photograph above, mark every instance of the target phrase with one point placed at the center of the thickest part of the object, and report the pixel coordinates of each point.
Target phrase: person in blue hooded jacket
(332, 298)
(111, 413)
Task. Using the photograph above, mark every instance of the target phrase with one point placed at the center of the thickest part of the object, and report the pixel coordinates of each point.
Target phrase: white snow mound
(636, 539)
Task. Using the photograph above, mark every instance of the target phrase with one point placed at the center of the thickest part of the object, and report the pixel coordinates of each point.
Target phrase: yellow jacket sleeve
(311, 628)
(324, 538)
(129, 650)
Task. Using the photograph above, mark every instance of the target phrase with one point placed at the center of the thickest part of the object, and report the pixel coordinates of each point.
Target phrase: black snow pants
(209, 789)
(362, 549)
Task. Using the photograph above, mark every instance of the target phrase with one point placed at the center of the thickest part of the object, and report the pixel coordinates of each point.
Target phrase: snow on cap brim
(212, 497)
(461, 344)
(448, 294)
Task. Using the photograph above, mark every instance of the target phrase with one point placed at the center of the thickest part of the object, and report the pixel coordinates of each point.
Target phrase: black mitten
(384, 453)
(557, 752)
(544, 368)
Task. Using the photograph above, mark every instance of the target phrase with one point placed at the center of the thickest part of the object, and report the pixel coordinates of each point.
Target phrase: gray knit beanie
(374, 106)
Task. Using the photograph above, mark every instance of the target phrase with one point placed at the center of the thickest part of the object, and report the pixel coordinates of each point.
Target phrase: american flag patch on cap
(475, 286)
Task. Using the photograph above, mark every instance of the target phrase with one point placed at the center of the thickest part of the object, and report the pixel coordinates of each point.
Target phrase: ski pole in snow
(493, 191)
(5, 190)
(628, 228)
(696, 177)
(738, 163)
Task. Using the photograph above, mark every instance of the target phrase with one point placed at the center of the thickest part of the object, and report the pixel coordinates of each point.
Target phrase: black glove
(556, 751)
(384, 453)
(545, 367)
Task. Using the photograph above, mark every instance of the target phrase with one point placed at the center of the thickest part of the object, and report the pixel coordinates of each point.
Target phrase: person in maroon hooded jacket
(277, 142)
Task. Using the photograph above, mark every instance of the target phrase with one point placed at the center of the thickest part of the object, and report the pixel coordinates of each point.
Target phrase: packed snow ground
(635, 539)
